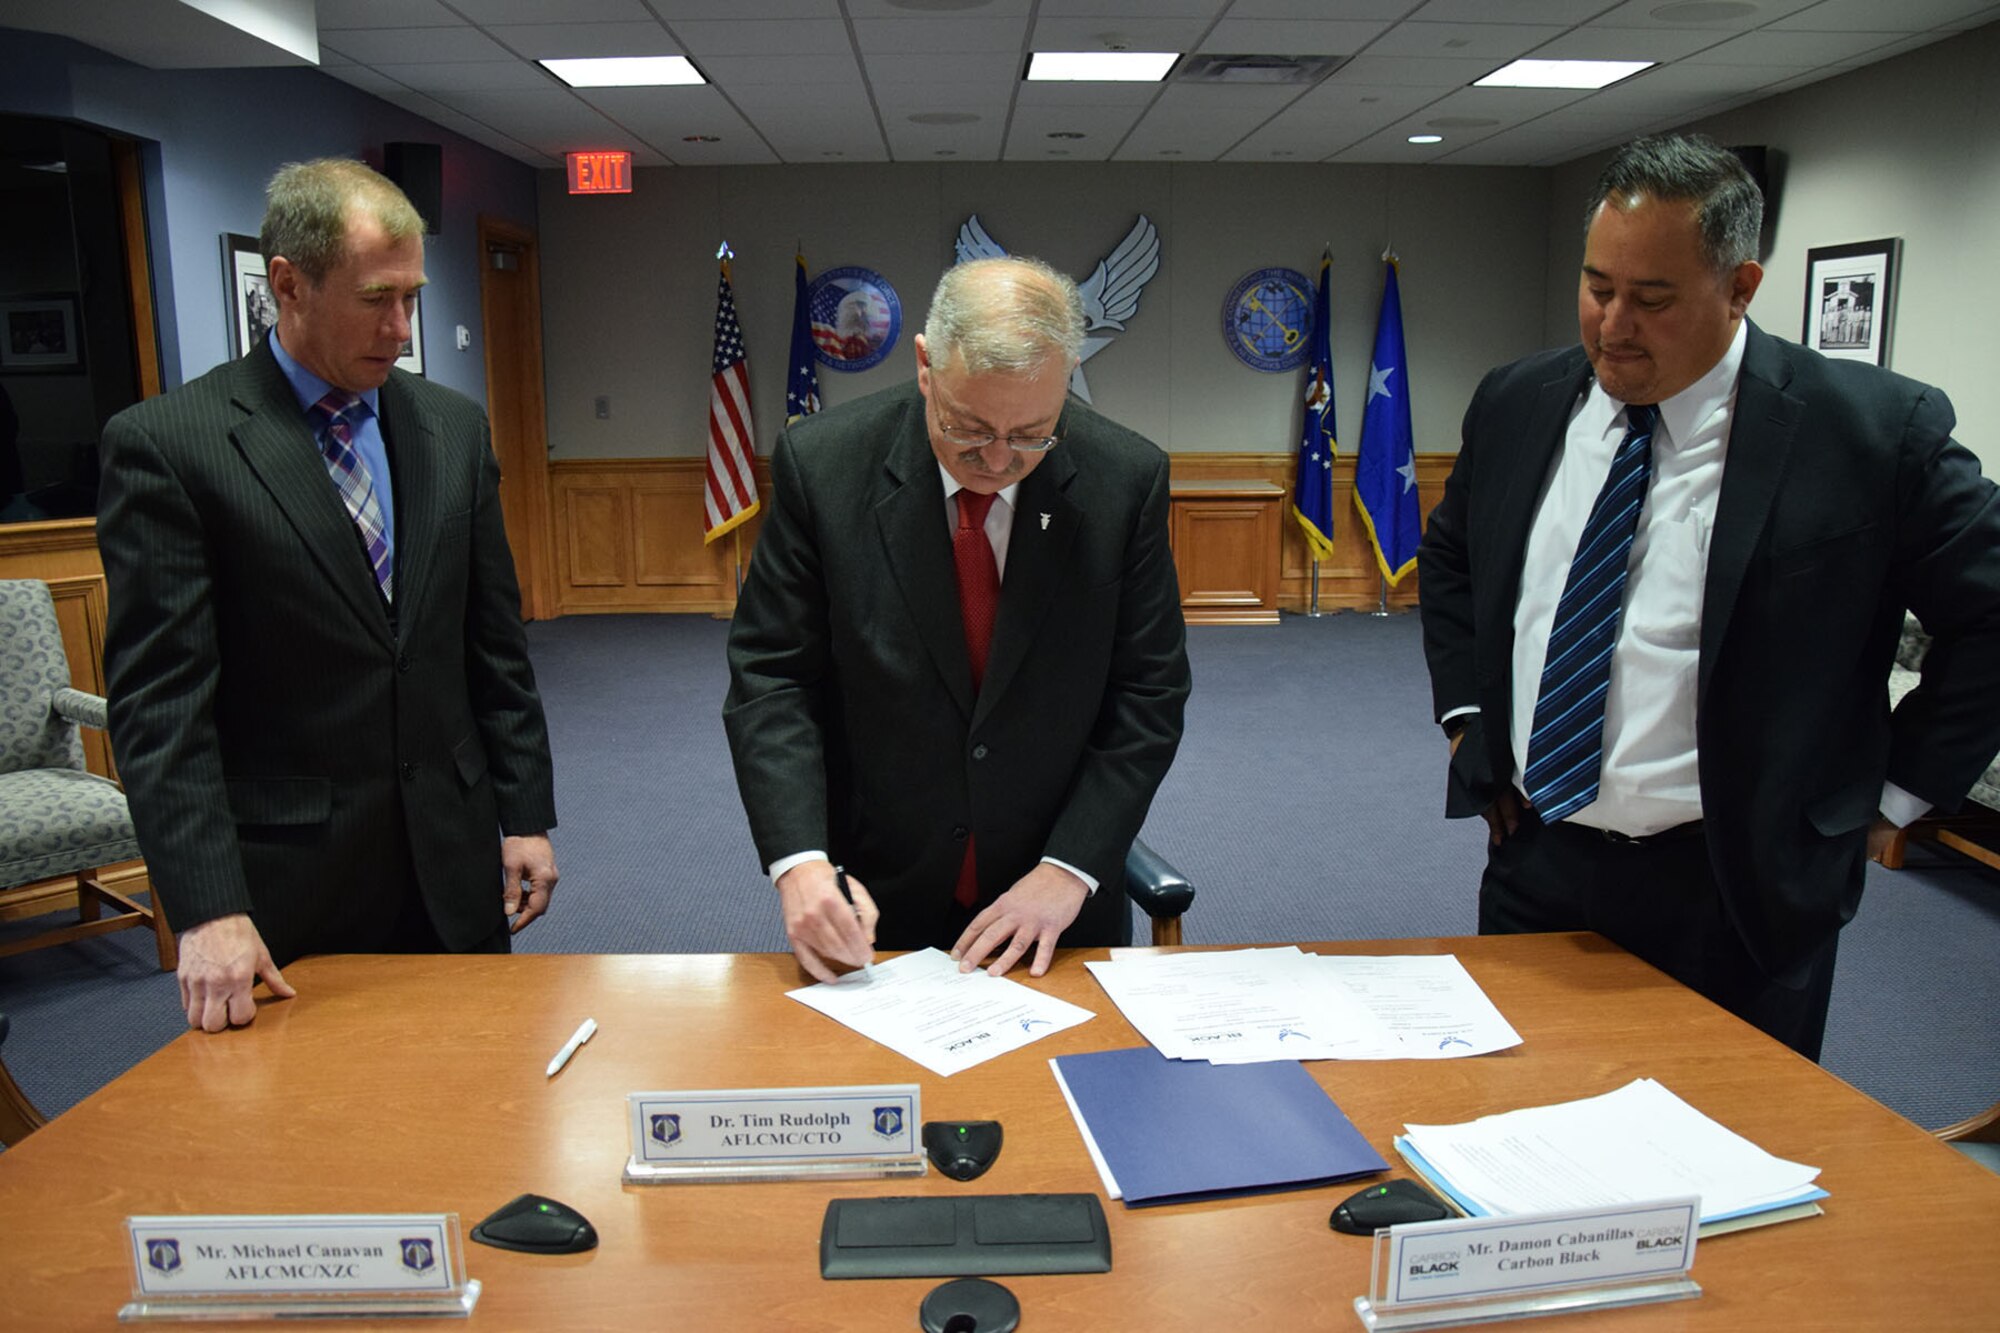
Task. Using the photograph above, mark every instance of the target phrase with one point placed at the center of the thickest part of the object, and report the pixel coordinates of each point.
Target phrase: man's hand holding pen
(826, 924)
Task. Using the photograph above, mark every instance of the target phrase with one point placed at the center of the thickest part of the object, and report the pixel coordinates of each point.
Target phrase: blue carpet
(1306, 804)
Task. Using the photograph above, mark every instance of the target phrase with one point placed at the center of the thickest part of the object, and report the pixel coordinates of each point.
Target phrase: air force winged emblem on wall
(1110, 294)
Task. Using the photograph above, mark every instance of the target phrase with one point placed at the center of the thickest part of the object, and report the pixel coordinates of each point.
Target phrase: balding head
(1009, 316)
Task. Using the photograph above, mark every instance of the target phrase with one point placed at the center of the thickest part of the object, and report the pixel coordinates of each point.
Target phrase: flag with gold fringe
(1385, 464)
(1312, 489)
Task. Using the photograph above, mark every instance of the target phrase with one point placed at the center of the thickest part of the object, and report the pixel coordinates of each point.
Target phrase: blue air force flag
(802, 378)
(1312, 490)
(1385, 466)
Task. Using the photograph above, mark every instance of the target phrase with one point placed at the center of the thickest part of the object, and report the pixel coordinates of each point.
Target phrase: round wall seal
(1268, 319)
(855, 317)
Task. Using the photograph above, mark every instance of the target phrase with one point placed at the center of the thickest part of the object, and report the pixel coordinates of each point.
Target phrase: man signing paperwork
(958, 665)
(1661, 594)
(321, 701)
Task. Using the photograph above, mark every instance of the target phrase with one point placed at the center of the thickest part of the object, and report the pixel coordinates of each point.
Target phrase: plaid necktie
(350, 477)
(979, 605)
(1566, 747)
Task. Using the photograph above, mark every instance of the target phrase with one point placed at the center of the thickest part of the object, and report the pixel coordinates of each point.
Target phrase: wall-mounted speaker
(418, 170)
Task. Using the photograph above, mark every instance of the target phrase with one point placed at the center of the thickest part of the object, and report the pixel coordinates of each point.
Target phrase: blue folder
(1174, 1130)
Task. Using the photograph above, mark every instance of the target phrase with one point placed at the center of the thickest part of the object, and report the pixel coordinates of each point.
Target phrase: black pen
(840, 882)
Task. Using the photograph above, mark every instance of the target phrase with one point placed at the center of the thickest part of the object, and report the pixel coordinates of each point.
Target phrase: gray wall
(629, 284)
(1909, 148)
(215, 138)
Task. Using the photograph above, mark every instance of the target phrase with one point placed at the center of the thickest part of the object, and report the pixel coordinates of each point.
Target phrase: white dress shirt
(1651, 779)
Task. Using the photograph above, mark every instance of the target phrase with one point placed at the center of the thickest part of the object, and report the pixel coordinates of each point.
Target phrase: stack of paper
(922, 1006)
(1282, 1004)
(1638, 1143)
(1163, 1130)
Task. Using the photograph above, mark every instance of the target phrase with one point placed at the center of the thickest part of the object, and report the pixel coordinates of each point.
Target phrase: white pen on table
(840, 880)
(583, 1034)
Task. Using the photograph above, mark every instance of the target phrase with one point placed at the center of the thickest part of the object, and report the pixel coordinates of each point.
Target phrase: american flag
(732, 486)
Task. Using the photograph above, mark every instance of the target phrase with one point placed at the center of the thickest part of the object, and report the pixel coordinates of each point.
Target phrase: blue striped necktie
(1566, 747)
(352, 479)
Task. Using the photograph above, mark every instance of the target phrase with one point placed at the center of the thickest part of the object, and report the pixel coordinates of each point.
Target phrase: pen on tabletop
(840, 881)
(583, 1034)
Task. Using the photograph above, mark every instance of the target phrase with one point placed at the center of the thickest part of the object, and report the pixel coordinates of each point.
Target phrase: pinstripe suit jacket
(283, 738)
(851, 715)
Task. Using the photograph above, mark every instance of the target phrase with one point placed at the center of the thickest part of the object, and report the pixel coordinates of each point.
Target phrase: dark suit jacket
(851, 715)
(1844, 501)
(286, 743)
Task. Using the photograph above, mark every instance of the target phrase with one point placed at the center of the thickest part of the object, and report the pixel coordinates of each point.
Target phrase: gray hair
(1007, 315)
(308, 205)
(1696, 169)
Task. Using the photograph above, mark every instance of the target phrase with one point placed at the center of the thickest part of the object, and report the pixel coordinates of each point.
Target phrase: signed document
(922, 1006)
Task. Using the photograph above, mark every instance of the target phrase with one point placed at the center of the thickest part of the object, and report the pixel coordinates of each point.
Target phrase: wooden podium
(1225, 535)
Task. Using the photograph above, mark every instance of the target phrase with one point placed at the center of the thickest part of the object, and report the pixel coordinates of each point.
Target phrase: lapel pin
(1045, 522)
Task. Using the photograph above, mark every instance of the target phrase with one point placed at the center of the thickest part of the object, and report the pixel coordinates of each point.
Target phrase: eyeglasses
(979, 439)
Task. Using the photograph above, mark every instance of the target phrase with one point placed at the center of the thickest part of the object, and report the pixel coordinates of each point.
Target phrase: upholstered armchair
(60, 825)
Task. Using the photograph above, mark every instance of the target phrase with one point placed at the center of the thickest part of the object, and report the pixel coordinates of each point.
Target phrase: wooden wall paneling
(63, 554)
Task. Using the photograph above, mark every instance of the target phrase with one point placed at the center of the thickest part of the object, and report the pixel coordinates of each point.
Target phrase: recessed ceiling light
(1562, 73)
(625, 71)
(1065, 134)
(1426, 138)
(1100, 66)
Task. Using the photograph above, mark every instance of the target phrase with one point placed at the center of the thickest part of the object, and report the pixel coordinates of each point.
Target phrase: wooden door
(511, 310)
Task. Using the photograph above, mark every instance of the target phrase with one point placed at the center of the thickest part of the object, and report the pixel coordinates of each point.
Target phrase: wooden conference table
(416, 1084)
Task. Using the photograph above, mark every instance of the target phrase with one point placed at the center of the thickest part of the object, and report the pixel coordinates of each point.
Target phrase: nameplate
(763, 1126)
(1522, 1254)
(304, 1255)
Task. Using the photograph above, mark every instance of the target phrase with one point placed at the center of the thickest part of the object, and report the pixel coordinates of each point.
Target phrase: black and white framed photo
(1851, 299)
(412, 358)
(40, 333)
(253, 310)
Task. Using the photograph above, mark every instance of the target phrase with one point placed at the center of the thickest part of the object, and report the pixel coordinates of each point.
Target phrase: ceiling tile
(695, 10)
(1561, 12)
(1133, 95)
(378, 46)
(1351, 10)
(888, 9)
(1801, 50)
(1291, 37)
(1876, 16)
(936, 143)
(531, 11)
(471, 76)
(907, 35)
(1166, 9)
(764, 37)
(1102, 33)
(1409, 72)
(732, 71)
(1198, 135)
(584, 41)
(1640, 14)
(334, 14)
(1101, 126)
(983, 70)
(1494, 41)
(1657, 44)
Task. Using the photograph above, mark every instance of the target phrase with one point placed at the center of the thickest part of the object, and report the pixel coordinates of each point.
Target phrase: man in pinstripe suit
(321, 701)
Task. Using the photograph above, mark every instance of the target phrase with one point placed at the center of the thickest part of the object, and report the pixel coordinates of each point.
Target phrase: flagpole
(1312, 607)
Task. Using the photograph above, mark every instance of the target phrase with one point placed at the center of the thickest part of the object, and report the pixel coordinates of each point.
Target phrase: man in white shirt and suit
(1660, 597)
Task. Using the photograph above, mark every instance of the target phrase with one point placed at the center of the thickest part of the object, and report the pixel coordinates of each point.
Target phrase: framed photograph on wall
(412, 358)
(1851, 299)
(40, 333)
(253, 310)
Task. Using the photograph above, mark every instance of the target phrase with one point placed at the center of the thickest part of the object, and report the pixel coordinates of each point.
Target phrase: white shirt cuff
(1088, 882)
(1900, 808)
(779, 867)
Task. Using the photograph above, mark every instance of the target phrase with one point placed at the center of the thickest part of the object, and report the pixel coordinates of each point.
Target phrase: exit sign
(607, 172)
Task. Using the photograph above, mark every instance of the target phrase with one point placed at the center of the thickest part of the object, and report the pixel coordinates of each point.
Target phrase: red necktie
(979, 604)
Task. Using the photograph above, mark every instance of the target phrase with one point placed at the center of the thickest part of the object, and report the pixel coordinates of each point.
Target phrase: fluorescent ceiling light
(1100, 66)
(1562, 73)
(624, 71)
(1426, 138)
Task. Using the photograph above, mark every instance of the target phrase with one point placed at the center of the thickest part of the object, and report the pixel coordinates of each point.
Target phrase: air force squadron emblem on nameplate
(419, 1254)
(889, 1121)
(667, 1128)
(163, 1255)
